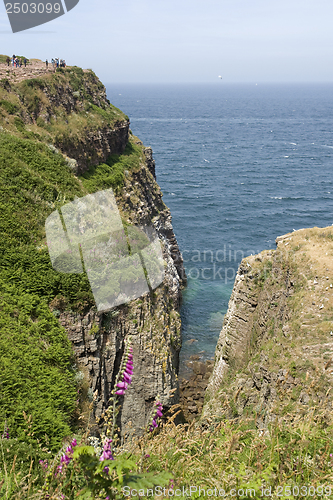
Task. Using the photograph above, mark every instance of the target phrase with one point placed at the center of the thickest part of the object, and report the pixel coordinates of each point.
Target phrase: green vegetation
(60, 107)
(220, 454)
(36, 374)
(111, 173)
(38, 386)
(41, 394)
(228, 455)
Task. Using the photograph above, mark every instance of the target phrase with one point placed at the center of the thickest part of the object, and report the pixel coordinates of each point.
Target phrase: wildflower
(5, 434)
(157, 413)
(122, 385)
(65, 459)
(44, 464)
(126, 371)
(107, 454)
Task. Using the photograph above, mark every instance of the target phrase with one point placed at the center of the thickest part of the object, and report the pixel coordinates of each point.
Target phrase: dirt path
(33, 70)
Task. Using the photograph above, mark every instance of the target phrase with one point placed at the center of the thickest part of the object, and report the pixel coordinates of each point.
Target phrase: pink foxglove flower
(66, 457)
(157, 413)
(106, 455)
(126, 371)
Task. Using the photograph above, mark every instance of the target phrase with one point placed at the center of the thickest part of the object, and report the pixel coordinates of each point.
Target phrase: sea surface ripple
(238, 166)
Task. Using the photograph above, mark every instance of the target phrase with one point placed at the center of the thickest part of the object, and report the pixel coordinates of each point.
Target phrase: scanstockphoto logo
(122, 262)
(24, 14)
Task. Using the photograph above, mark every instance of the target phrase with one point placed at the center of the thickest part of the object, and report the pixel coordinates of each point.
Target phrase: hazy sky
(187, 40)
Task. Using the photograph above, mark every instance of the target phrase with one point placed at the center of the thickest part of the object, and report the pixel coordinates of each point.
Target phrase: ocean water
(238, 165)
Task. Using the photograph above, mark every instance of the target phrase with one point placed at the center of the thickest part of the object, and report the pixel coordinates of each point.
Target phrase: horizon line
(255, 83)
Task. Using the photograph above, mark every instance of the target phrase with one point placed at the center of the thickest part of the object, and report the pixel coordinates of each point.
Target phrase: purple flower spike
(106, 455)
(157, 413)
(125, 375)
(5, 434)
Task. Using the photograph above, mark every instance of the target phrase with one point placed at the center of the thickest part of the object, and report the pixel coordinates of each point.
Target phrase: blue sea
(238, 165)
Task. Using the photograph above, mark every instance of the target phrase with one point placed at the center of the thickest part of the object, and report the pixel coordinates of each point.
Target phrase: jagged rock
(150, 162)
(153, 321)
(273, 353)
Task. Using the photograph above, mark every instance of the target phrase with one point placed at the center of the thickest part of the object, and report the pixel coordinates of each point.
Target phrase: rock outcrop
(152, 322)
(66, 116)
(71, 105)
(273, 355)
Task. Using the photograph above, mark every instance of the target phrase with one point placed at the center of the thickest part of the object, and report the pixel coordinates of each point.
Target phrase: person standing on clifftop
(25, 62)
(8, 61)
(47, 63)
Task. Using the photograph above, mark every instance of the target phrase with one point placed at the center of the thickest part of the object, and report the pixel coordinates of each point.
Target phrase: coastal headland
(61, 139)
(258, 416)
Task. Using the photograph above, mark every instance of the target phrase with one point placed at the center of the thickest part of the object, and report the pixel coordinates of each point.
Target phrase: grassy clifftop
(68, 109)
(42, 122)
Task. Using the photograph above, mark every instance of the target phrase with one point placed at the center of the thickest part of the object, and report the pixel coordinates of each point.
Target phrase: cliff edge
(274, 355)
(61, 139)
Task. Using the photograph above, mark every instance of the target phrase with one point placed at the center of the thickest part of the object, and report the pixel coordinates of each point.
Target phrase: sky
(182, 41)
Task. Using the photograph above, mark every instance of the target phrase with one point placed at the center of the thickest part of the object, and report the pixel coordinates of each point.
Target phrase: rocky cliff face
(153, 321)
(67, 114)
(274, 351)
(71, 107)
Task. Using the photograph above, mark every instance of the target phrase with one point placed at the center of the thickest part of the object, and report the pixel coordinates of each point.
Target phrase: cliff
(68, 108)
(274, 355)
(61, 139)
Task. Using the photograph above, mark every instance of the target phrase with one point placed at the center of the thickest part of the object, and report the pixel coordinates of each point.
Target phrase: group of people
(56, 63)
(16, 61)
